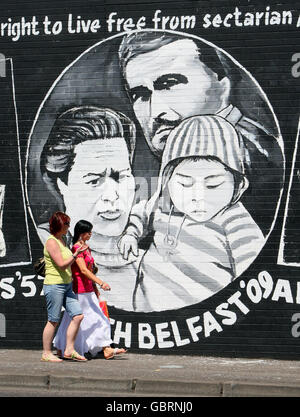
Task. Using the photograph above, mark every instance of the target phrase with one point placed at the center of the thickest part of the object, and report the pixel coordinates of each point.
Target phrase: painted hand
(128, 244)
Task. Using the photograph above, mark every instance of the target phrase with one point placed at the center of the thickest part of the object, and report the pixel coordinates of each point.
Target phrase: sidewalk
(153, 375)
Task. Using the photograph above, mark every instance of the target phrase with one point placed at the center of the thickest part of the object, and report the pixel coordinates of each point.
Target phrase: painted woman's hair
(78, 125)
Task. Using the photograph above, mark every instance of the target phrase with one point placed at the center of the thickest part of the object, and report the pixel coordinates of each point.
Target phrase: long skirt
(94, 332)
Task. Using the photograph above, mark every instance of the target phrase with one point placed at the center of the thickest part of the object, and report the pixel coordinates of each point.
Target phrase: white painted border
(20, 170)
(280, 259)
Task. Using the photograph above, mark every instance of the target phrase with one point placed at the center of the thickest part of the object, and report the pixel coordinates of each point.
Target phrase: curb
(34, 381)
(91, 384)
(181, 388)
(232, 389)
(149, 387)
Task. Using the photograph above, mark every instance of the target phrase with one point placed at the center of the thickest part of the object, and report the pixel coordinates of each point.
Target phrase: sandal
(75, 357)
(50, 358)
(114, 352)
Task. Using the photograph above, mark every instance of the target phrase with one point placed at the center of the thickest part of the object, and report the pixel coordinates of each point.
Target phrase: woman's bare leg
(48, 336)
(110, 352)
(72, 333)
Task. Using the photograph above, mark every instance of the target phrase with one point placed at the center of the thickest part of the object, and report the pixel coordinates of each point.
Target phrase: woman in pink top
(94, 333)
(81, 283)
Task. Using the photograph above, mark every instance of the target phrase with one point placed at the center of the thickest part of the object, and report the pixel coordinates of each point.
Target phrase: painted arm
(137, 225)
(244, 237)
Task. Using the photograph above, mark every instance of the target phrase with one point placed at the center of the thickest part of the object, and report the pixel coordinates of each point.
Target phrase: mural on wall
(185, 195)
(183, 101)
(88, 154)
(289, 249)
(13, 213)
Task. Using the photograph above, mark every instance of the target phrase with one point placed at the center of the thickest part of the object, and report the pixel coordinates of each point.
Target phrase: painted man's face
(100, 186)
(170, 84)
(201, 189)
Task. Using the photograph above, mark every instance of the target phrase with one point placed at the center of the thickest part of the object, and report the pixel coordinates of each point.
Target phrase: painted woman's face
(100, 186)
(201, 189)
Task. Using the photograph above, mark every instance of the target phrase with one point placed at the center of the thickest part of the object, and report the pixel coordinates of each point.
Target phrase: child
(207, 238)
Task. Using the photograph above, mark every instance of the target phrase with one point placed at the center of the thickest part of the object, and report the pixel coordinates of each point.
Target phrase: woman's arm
(88, 274)
(55, 253)
(96, 290)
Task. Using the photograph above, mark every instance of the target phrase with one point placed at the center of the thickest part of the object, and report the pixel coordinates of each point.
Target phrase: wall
(218, 243)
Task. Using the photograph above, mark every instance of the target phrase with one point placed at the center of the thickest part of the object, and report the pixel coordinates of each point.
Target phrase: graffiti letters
(15, 30)
(173, 22)
(7, 289)
(296, 327)
(2, 325)
(296, 66)
(119, 24)
(76, 24)
(239, 19)
(170, 334)
(8, 286)
(52, 28)
(2, 65)
(81, 25)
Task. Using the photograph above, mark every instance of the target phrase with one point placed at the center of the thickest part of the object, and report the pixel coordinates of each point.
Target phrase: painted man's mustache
(166, 124)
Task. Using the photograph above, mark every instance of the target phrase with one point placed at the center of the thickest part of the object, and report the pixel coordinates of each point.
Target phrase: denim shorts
(58, 295)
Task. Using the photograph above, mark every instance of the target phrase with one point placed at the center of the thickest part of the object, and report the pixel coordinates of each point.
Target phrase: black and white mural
(289, 243)
(14, 234)
(193, 198)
